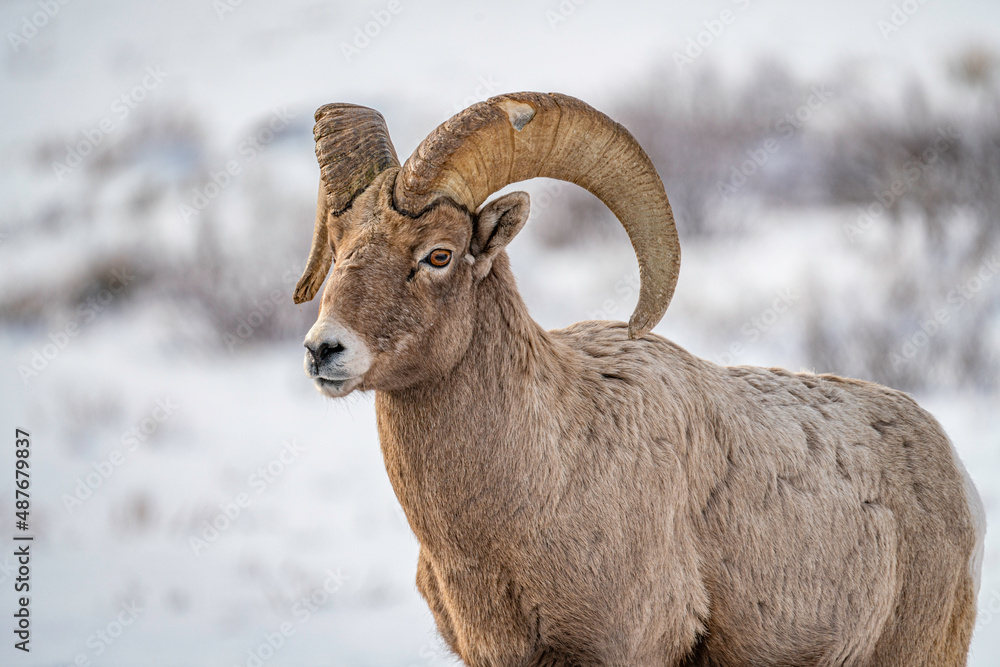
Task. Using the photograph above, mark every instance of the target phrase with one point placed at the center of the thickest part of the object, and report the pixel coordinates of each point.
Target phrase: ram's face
(405, 259)
(396, 309)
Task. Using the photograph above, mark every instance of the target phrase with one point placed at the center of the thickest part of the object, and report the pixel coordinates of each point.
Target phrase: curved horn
(515, 137)
(353, 147)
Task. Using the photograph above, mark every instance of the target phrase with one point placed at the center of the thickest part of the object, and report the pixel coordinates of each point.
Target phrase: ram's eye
(439, 257)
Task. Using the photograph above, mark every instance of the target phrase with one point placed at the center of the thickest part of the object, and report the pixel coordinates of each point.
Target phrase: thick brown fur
(585, 499)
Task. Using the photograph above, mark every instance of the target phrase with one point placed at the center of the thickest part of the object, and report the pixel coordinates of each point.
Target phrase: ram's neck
(467, 453)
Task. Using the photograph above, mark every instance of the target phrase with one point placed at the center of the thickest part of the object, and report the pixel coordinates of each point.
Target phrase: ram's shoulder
(605, 346)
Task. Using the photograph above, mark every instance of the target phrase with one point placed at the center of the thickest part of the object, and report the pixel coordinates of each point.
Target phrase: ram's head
(408, 248)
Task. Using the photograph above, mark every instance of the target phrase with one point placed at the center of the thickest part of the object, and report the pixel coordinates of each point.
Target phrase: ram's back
(830, 513)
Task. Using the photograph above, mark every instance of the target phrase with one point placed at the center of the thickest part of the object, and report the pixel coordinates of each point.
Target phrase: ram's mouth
(337, 388)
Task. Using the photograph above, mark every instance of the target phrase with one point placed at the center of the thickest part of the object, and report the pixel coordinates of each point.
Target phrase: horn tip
(304, 291)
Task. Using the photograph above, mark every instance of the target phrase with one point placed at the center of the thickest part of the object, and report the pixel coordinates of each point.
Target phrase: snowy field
(329, 516)
(194, 500)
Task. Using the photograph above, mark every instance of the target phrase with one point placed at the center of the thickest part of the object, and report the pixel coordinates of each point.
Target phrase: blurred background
(834, 169)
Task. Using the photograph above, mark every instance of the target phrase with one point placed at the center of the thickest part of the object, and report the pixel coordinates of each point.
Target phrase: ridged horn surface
(515, 137)
(352, 147)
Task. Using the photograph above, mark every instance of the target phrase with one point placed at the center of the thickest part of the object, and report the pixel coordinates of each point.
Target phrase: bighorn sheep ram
(596, 495)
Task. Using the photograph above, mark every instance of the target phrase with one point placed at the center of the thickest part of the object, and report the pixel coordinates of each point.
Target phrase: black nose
(324, 352)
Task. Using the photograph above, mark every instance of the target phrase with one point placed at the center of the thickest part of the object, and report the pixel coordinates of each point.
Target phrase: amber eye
(439, 257)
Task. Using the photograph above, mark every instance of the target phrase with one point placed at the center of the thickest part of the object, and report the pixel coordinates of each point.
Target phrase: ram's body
(597, 495)
(616, 501)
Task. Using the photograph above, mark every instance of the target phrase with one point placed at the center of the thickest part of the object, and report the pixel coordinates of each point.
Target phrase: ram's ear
(497, 223)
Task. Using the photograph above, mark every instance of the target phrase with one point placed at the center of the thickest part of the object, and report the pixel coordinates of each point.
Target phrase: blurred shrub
(919, 188)
(132, 206)
(916, 185)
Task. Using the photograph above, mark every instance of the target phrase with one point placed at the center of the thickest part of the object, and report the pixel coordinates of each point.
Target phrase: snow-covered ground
(200, 505)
